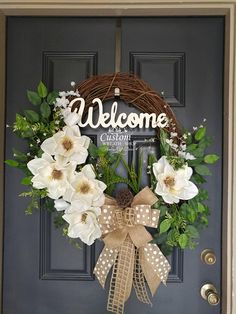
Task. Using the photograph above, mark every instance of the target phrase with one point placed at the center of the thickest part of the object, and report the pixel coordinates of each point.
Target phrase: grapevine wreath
(76, 179)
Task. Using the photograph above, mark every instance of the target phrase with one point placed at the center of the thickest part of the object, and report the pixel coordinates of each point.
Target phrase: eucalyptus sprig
(34, 126)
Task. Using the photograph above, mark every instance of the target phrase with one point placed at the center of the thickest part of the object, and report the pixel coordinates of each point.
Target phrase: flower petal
(99, 201)
(38, 182)
(72, 118)
(80, 156)
(85, 141)
(158, 167)
(49, 146)
(79, 205)
(61, 205)
(88, 171)
(170, 198)
(188, 192)
(35, 164)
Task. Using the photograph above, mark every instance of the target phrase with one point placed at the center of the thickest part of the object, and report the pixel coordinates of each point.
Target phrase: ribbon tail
(155, 268)
(122, 277)
(104, 263)
(139, 280)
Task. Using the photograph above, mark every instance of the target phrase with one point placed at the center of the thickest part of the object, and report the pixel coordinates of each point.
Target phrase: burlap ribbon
(128, 250)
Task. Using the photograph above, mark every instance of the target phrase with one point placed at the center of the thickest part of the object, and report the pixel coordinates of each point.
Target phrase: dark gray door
(43, 274)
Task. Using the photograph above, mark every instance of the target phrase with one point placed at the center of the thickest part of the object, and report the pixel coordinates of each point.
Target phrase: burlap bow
(127, 247)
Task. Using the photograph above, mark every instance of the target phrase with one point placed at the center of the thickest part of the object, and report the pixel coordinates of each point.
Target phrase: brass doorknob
(208, 257)
(209, 293)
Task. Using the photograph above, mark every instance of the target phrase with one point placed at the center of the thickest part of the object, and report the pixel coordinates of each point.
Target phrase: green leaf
(193, 204)
(27, 133)
(45, 110)
(19, 156)
(195, 162)
(172, 237)
(200, 133)
(151, 159)
(93, 150)
(205, 142)
(191, 215)
(34, 98)
(165, 225)
(188, 139)
(140, 169)
(183, 240)
(26, 181)
(165, 148)
(204, 220)
(163, 209)
(199, 152)
(31, 115)
(102, 150)
(42, 90)
(184, 209)
(202, 195)
(201, 208)
(160, 238)
(58, 220)
(176, 162)
(166, 249)
(191, 148)
(202, 170)
(211, 159)
(197, 178)
(192, 231)
(12, 163)
(52, 97)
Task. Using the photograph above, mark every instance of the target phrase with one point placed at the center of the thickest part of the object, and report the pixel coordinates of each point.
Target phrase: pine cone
(124, 198)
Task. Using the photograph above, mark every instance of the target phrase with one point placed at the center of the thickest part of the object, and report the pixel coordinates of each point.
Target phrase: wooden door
(181, 56)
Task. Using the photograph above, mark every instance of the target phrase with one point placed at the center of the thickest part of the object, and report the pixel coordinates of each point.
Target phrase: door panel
(183, 57)
(39, 263)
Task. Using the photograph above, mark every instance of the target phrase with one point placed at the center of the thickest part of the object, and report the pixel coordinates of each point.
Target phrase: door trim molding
(151, 8)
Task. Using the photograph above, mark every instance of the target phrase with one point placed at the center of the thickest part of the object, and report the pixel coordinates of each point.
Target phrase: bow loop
(146, 216)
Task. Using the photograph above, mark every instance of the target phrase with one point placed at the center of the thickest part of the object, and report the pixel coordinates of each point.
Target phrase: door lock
(208, 257)
(210, 294)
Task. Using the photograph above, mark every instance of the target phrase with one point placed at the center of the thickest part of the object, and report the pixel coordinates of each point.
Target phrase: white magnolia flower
(84, 225)
(51, 174)
(173, 185)
(85, 191)
(68, 144)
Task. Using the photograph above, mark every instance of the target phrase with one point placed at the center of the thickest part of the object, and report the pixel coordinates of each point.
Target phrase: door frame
(150, 8)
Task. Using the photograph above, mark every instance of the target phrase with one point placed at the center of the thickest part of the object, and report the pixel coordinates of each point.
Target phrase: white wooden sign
(114, 120)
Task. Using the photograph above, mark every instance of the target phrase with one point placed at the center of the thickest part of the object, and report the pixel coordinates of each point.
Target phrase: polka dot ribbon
(128, 251)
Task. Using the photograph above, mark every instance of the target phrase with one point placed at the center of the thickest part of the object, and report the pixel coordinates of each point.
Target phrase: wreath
(78, 180)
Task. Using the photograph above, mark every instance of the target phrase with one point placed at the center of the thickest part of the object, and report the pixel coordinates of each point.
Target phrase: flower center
(83, 218)
(169, 182)
(67, 144)
(57, 174)
(83, 188)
